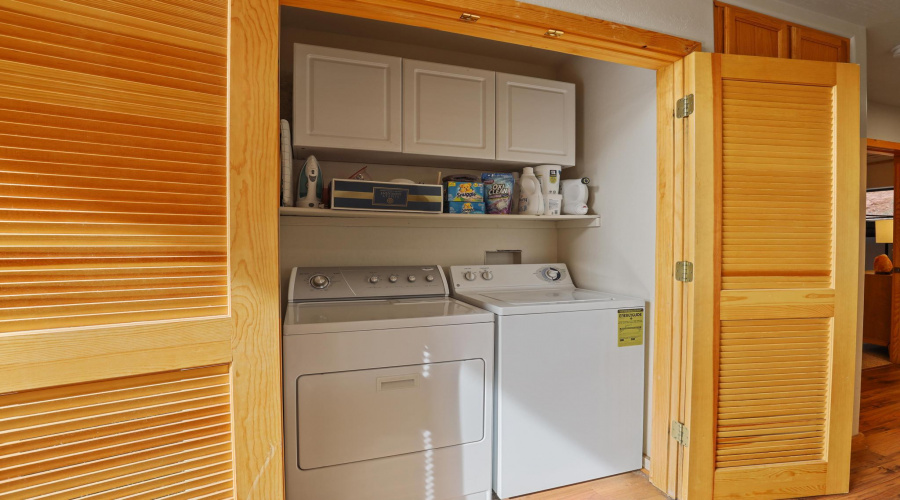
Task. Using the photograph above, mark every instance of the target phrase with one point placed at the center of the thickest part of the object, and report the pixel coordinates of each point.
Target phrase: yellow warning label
(631, 327)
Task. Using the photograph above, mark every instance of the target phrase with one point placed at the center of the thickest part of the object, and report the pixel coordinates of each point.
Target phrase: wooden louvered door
(772, 151)
(139, 323)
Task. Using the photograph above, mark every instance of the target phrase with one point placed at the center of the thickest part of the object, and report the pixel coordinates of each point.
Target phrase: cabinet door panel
(448, 110)
(535, 120)
(816, 45)
(346, 99)
(753, 34)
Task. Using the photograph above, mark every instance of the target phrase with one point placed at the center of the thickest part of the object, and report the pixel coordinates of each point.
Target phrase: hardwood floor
(875, 467)
(630, 486)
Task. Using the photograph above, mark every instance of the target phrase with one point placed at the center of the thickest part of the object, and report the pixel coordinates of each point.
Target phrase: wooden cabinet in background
(752, 34)
(814, 45)
(744, 32)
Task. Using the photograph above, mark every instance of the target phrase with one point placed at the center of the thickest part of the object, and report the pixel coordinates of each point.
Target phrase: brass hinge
(685, 106)
(680, 433)
(470, 18)
(554, 33)
(684, 271)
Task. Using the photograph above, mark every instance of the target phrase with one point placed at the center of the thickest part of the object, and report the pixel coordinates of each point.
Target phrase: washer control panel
(348, 283)
(516, 275)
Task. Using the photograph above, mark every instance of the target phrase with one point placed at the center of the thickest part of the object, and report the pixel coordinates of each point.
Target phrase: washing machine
(569, 376)
(387, 387)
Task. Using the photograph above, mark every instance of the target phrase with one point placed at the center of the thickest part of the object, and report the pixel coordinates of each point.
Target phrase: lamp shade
(884, 231)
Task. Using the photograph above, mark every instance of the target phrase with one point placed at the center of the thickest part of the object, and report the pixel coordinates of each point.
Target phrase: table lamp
(884, 232)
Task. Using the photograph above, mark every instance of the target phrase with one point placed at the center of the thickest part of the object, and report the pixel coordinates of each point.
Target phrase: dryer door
(351, 416)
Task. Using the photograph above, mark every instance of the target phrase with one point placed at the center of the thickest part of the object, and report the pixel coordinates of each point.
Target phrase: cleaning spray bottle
(530, 200)
(309, 188)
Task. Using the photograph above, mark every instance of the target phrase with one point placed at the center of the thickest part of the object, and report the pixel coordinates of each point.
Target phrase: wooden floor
(875, 469)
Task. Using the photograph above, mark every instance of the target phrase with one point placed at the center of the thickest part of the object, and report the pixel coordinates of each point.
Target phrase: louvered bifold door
(138, 286)
(774, 148)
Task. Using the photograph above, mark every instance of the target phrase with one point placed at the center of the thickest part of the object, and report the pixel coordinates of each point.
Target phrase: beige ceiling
(862, 12)
(882, 21)
(884, 69)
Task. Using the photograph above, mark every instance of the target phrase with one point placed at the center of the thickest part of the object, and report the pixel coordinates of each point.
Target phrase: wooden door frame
(893, 148)
(525, 24)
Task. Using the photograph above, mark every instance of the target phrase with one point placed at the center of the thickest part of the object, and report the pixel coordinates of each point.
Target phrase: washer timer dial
(552, 274)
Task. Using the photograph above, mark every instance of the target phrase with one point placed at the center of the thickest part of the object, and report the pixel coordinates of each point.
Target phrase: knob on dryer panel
(310, 284)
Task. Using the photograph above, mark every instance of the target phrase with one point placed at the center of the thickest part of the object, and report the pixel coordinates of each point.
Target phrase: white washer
(387, 387)
(569, 386)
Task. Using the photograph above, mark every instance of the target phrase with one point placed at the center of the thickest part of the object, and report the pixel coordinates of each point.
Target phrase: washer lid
(543, 300)
(328, 317)
(528, 297)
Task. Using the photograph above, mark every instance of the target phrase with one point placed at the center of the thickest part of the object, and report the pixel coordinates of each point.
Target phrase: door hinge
(684, 271)
(685, 106)
(680, 433)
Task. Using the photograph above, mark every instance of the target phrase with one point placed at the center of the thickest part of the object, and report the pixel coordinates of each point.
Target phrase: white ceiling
(884, 69)
(882, 21)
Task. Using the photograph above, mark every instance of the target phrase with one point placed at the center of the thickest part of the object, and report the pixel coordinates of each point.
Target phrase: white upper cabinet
(346, 99)
(535, 120)
(448, 110)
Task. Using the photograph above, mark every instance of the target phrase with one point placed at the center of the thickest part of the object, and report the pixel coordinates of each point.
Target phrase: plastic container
(548, 175)
(553, 204)
(531, 202)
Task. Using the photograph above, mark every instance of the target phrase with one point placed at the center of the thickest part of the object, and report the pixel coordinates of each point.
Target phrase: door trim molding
(522, 24)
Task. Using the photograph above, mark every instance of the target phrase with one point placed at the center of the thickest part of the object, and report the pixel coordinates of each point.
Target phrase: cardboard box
(465, 207)
(498, 190)
(348, 194)
(465, 191)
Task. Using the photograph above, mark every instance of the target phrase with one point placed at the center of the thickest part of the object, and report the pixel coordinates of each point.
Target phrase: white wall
(617, 150)
(884, 122)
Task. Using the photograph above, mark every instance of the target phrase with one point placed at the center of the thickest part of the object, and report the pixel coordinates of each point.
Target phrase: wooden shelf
(447, 220)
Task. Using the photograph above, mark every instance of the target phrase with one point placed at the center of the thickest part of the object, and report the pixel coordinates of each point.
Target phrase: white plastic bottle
(530, 200)
(548, 175)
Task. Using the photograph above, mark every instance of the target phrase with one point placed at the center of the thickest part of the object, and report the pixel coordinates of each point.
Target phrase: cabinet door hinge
(685, 106)
(679, 433)
(684, 271)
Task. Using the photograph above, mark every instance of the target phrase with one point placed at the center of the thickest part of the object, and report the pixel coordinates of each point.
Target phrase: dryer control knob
(393, 278)
(487, 275)
(319, 281)
(411, 278)
(470, 276)
(429, 278)
(373, 279)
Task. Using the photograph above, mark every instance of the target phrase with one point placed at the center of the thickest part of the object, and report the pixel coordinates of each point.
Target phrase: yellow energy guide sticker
(631, 327)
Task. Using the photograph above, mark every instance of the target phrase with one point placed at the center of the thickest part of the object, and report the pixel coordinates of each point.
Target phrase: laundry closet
(611, 140)
(615, 138)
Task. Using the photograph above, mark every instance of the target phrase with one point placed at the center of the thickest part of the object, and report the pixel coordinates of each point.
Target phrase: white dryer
(387, 387)
(569, 376)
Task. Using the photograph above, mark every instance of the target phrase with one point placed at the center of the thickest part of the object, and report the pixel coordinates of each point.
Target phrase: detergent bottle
(530, 200)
